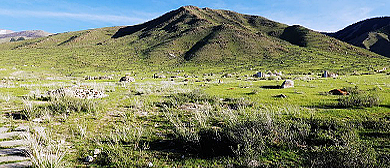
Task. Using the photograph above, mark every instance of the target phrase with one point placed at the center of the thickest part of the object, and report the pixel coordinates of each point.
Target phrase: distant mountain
(8, 35)
(28, 33)
(2, 31)
(192, 36)
(372, 34)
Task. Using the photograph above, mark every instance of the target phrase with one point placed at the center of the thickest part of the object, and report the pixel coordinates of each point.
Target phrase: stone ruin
(81, 93)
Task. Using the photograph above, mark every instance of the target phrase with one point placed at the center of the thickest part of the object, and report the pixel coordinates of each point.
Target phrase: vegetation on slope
(190, 36)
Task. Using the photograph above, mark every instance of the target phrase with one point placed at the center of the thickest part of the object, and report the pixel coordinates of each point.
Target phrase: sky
(57, 16)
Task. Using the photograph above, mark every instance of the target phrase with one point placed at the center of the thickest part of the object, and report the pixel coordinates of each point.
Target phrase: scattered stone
(10, 135)
(4, 144)
(17, 164)
(339, 92)
(13, 158)
(88, 159)
(127, 79)
(12, 151)
(287, 84)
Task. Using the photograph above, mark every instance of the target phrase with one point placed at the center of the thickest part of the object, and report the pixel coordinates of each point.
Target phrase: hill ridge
(371, 34)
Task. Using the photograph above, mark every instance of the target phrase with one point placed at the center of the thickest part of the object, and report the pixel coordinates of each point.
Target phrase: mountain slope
(372, 34)
(192, 36)
(3, 31)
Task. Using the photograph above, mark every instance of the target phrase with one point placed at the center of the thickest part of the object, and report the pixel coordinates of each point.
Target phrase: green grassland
(180, 123)
(208, 110)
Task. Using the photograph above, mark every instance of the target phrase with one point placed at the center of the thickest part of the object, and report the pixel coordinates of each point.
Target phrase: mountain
(7, 35)
(192, 36)
(372, 34)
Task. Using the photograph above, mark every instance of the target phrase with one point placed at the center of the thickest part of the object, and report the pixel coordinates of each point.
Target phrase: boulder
(127, 79)
(338, 92)
(287, 84)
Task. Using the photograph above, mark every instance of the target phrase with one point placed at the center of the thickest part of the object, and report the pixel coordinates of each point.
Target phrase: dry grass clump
(44, 151)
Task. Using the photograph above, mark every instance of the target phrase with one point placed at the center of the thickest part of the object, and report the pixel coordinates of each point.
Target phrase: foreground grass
(238, 123)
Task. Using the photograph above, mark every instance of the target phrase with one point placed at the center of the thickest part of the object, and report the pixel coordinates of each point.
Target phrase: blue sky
(57, 16)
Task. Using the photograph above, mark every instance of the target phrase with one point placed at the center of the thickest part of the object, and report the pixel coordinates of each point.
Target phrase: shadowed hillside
(190, 36)
(372, 34)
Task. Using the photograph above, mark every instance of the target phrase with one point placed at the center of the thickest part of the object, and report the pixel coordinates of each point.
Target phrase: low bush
(361, 99)
(252, 134)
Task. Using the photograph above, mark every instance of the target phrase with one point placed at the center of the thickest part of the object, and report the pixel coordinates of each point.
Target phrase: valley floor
(207, 120)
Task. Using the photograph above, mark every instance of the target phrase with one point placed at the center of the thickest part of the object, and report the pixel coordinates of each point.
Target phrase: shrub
(361, 99)
(341, 156)
(251, 133)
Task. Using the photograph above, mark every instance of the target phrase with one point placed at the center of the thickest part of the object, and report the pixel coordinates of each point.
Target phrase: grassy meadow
(192, 119)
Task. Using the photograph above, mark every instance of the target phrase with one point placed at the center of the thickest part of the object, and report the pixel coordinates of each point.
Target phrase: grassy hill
(190, 36)
(372, 34)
